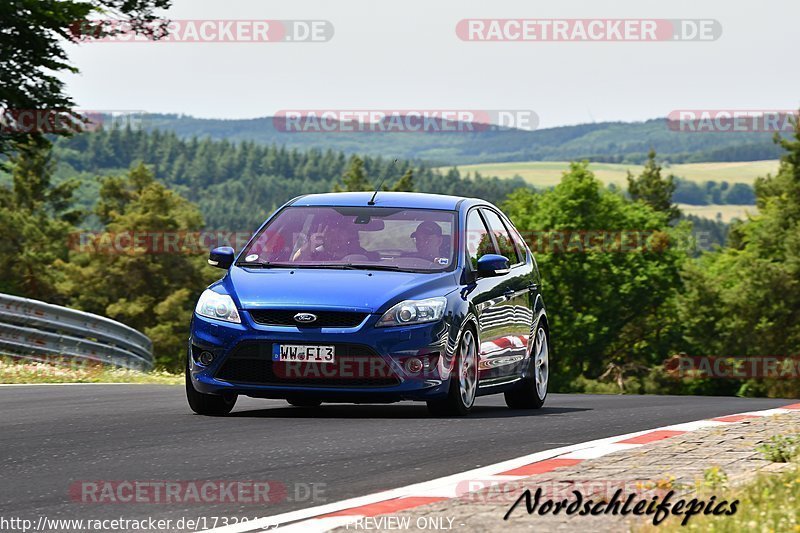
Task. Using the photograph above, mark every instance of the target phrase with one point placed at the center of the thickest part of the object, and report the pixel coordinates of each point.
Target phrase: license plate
(303, 352)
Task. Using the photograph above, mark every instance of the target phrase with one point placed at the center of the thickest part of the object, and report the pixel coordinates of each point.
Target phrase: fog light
(413, 365)
(429, 361)
(206, 358)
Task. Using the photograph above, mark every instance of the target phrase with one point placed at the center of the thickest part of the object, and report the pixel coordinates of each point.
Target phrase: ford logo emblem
(305, 318)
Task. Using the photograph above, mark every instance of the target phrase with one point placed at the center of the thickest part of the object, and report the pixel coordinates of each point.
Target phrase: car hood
(356, 290)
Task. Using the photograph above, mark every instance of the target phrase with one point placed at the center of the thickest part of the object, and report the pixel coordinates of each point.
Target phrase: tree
(651, 188)
(744, 300)
(32, 38)
(152, 287)
(741, 194)
(355, 179)
(405, 183)
(36, 219)
(609, 270)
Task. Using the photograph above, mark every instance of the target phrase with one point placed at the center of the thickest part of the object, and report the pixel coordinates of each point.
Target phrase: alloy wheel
(468, 371)
(541, 362)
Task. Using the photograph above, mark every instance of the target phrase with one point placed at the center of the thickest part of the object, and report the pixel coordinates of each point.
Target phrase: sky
(408, 56)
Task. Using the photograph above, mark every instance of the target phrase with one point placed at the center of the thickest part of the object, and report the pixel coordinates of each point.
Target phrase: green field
(726, 212)
(548, 173)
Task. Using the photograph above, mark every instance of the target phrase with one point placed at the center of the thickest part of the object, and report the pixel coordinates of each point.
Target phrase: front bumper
(242, 361)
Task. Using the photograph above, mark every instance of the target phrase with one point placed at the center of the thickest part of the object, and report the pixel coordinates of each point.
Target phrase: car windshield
(414, 240)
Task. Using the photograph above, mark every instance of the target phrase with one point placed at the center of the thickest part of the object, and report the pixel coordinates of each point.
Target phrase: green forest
(618, 319)
(609, 142)
(237, 185)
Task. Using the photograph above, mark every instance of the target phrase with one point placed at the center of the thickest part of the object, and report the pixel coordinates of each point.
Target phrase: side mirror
(492, 265)
(221, 257)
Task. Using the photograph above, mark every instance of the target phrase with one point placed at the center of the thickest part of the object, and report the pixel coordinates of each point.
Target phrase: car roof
(387, 199)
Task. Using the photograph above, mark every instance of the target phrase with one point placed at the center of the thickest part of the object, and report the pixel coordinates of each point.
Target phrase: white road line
(697, 424)
(599, 451)
(767, 412)
(454, 490)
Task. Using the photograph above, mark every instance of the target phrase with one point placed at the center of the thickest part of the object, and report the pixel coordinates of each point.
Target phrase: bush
(780, 448)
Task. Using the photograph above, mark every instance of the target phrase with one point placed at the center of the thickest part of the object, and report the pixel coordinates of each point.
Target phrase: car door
(511, 341)
(487, 295)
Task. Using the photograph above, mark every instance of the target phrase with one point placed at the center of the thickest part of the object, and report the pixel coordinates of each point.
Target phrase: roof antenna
(372, 200)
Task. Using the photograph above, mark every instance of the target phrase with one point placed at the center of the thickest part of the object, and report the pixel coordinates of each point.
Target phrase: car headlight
(414, 312)
(219, 306)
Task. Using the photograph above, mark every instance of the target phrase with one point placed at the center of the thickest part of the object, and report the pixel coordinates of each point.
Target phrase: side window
(522, 249)
(502, 237)
(478, 240)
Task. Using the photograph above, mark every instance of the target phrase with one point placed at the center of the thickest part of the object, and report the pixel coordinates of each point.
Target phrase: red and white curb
(329, 516)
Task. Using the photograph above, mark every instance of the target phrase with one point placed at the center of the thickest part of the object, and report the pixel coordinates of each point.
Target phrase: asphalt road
(53, 436)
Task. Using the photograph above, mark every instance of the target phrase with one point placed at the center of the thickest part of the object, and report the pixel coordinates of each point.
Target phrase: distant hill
(611, 142)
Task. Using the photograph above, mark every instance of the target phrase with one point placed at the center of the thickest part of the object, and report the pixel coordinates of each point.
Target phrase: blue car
(373, 298)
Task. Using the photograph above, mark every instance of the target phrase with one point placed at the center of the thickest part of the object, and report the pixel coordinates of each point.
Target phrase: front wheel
(207, 404)
(463, 380)
(532, 390)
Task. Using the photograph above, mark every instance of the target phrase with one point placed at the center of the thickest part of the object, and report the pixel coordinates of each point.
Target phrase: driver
(330, 243)
(428, 240)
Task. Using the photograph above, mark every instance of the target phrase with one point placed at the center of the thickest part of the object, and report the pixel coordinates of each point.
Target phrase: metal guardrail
(30, 329)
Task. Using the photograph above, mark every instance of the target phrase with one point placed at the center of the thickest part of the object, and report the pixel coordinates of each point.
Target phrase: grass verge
(771, 503)
(26, 372)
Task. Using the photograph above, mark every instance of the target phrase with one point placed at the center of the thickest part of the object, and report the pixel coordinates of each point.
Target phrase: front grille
(355, 366)
(325, 319)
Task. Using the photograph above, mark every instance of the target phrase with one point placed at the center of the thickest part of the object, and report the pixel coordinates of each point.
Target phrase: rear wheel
(532, 390)
(463, 380)
(304, 402)
(207, 404)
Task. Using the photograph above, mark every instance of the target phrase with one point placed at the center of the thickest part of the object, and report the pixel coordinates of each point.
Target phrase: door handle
(533, 286)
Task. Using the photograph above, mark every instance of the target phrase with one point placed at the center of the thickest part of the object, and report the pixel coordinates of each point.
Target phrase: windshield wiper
(393, 268)
(372, 267)
(263, 264)
(333, 266)
(269, 264)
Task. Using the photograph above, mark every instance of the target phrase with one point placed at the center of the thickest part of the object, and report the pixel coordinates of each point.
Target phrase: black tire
(208, 404)
(455, 404)
(527, 394)
(304, 402)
